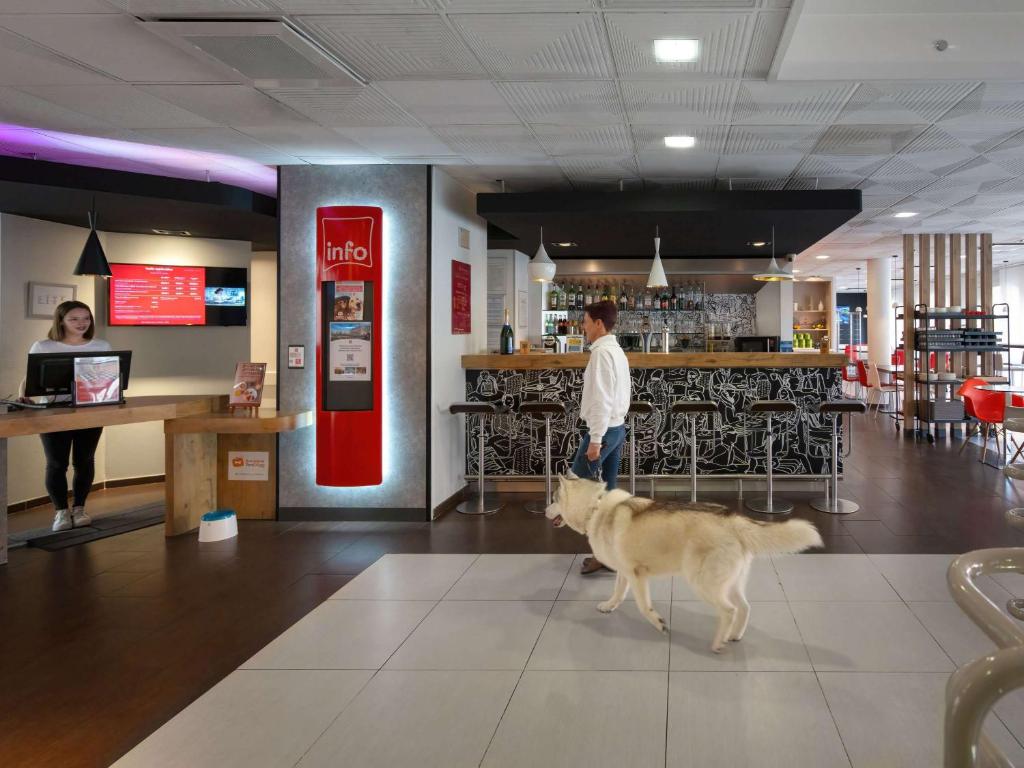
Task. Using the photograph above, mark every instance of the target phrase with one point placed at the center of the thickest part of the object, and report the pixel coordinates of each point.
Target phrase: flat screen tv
(168, 295)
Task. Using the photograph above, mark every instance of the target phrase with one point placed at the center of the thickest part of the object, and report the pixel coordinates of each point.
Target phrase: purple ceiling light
(58, 147)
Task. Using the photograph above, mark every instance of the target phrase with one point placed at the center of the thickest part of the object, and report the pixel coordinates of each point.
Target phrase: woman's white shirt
(48, 345)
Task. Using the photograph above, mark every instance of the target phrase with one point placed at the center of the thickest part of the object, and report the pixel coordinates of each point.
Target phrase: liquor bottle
(673, 300)
(623, 301)
(507, 344)
(571, 301)
(579, 297)
(613, 294)
(604, 292)
(563, 300)
(553, 297)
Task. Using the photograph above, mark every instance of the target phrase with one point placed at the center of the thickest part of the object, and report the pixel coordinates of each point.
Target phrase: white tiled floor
(503, 660)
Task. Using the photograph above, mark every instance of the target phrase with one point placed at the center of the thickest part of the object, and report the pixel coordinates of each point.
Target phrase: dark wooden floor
(101, 644)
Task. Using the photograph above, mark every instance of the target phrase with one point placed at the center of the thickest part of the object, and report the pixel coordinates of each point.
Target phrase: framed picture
(43, 298)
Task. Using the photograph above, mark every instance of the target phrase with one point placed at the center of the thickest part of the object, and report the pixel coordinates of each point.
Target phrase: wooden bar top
(540, 361)
(134, 411)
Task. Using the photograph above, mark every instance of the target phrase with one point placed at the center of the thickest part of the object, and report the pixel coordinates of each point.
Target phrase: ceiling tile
(355, 6)
(395, 142)
(306, 139)
(25, 109)
(120, 104)
(451, 102)
(764, 43)
(710, 139)
(116, 45)
(196, 8)
(57, 6)
(677, 5)
(659, 103)
(395, 47)
(752, 165)
(903, 103)
(724, 43)
(676, 163)
(520, 45)
(503, 6)
(343, 106)
(778, 103)
(25, 63)
(225, 141)
(611, 169)
(868, 140)
(822, 182)
(763, 139)
(565, 140)
(680, 184)
(483, 142)
(564, 102)
(227, 104)
(998, 101)
(757, 184)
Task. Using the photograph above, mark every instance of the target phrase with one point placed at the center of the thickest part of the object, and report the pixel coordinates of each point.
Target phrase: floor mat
(101, 528)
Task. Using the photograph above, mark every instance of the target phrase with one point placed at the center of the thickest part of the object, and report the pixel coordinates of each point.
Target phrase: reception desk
(731, 445)
(194, 464)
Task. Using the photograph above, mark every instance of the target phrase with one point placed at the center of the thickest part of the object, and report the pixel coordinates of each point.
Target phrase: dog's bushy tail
(778, 538)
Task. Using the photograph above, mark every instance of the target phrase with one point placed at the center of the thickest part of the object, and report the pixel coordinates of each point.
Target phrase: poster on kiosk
(348, 346)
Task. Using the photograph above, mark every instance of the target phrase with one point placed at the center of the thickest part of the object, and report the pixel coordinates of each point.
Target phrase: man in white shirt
(606, 397)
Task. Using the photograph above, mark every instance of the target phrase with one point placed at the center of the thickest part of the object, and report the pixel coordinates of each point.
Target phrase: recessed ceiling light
(904, 214)
(175, 232)
(680, 142)
(796, 271)
(822, 256)
(676, 50)
(565, 244)
(758, 243)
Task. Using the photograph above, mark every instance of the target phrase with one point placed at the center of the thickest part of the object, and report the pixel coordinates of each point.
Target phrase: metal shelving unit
(931, 395)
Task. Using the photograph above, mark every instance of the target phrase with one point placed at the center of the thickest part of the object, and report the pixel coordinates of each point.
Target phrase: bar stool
(767, 504)
(690, 410)
(481, 504)
(832, 503)
(636, 408)
(546, 411)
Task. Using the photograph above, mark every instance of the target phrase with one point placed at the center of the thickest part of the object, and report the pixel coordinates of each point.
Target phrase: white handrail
(976, 686)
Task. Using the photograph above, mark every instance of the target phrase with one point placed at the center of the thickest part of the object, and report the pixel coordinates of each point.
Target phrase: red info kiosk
(348, 346)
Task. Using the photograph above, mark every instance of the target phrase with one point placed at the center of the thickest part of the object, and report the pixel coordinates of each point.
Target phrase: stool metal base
(536, 507)
(760, 504)
(479, 505)
(843, 506)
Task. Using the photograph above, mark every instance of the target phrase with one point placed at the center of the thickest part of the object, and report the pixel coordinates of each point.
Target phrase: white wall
(164, 361)
(263, 319)
(453, 206)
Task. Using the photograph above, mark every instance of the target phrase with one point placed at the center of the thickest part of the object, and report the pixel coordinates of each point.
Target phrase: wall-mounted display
(462, 317)
(174, 295)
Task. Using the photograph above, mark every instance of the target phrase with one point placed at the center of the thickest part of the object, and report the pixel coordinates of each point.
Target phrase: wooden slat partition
(988, 359)
(956, 291)
(971, 299)
(909, 398)
(939, 300)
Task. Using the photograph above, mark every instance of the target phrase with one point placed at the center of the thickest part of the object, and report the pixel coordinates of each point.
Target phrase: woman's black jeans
(80, 446)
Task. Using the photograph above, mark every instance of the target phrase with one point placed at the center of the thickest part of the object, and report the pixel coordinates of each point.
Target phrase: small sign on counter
(248, 466)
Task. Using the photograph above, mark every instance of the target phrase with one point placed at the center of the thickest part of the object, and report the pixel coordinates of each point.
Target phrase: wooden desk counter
(199, 434)
(540, 361)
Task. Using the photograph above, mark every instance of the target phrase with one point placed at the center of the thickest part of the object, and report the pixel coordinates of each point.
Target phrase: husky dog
(640, 538)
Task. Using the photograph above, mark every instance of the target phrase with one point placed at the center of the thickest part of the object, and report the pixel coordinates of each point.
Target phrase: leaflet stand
(245, 410)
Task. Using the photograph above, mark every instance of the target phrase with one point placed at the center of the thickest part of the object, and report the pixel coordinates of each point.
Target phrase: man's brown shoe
(592, 565)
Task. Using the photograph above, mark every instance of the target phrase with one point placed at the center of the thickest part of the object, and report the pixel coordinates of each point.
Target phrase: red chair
(898, 357)
(863, 381)
(988, 408)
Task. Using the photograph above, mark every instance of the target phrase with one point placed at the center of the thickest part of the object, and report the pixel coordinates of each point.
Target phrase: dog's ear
(570, 475)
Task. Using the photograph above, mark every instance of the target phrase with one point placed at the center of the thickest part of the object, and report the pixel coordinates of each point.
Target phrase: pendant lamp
(93, 261)
(657, 277)
(774, 273)
(541, 269)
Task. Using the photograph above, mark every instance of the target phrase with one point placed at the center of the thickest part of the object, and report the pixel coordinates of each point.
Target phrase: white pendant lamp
(541, 268)
(774, 273)
(657, 277)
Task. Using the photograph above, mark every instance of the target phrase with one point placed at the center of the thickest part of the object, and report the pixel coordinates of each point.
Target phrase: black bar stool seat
(831, 503)
(480, 503)
(690, 410)
(768, 505)
(545, 411)
(640, 408)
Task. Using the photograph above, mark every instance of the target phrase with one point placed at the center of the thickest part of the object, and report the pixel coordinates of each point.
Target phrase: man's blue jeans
(608, 461)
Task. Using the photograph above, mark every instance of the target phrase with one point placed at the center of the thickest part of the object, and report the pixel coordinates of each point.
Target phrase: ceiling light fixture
(904, 214)
(541, 267)
(774, 273)
(565, 244)
(758, 243)
(657, 277)
(676, 50)
(822, 256)
(796, 271)
(680, 142)
(93, 261)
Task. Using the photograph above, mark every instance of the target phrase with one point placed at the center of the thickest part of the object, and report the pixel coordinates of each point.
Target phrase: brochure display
(348, 355)
(247, 389)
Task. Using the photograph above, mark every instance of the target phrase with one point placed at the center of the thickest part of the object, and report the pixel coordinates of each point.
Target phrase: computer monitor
(51, 373)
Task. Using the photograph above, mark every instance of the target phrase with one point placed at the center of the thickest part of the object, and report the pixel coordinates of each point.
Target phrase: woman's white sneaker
(79, 517)
(62, 520)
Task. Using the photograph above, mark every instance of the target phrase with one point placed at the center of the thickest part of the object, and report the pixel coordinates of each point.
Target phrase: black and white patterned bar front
(733, 445)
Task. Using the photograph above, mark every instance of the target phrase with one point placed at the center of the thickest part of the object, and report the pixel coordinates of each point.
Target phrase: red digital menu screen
(147, 294)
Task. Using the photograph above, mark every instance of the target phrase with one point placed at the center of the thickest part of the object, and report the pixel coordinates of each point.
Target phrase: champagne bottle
(507, 344)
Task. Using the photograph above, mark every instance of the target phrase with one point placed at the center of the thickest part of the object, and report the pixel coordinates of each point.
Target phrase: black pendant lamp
(93, 261)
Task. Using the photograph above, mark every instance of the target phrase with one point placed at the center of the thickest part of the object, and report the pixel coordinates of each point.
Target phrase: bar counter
(733, 445)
